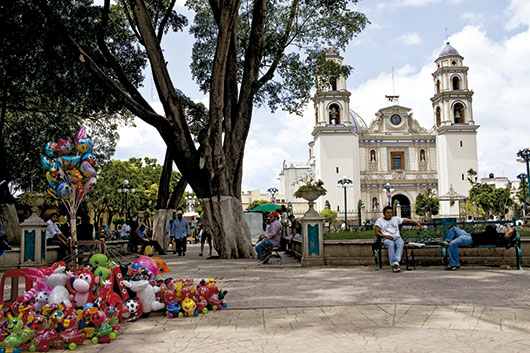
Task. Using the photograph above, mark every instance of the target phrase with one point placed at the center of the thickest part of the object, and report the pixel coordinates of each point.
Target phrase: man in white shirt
(125, 231)
(54, 236)
(387, 227)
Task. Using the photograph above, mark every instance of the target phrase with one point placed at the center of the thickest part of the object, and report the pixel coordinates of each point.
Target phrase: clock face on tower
(395, 119)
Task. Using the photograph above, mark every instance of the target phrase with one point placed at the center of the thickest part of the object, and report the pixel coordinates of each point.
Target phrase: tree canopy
(245, 54)
(427, 204)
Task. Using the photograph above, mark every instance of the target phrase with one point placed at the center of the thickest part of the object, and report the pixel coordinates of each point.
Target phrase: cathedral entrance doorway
(404, 202)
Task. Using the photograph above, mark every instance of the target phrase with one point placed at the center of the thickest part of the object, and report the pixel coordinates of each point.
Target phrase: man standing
(387, 227)
(181, 231)
(55, 237)
(270, 239)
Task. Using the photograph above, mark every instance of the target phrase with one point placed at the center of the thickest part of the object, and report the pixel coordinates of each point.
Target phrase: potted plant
(310, 189)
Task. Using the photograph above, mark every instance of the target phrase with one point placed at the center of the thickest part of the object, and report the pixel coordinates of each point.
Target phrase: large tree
(246, 54)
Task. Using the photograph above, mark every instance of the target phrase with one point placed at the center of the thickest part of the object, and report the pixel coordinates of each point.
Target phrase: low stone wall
(359, 252)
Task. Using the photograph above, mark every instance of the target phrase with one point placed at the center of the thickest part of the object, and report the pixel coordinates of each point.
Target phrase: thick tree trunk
(9, 219)
(165, 179)
(161, 218)
(230, 231)
(177, 193)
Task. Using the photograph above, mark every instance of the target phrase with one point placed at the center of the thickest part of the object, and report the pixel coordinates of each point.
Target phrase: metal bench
(432, 235)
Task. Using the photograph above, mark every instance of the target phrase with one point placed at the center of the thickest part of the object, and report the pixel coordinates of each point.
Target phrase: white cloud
(518, 14)
(393, 4)
(409, 39)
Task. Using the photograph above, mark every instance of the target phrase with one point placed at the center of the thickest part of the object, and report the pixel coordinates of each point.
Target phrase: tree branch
(165, 20)
(131, 22)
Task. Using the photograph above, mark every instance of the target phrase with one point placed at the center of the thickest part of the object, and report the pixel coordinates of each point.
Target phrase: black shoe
(451, 268)
(174, 252)
(162, 253)
(267, 258)
(200, 254)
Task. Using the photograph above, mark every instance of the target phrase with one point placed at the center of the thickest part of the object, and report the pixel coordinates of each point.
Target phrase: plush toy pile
(66, 308)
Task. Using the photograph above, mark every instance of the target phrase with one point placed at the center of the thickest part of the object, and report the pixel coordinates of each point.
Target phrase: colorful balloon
(89, 185)
(50, 148)
(144, 262)
(52, 192)
(64, 147)
(87, 169)
(90, 158)
(85, 146)
(50, 177)
(69, 162)
(63, 190)
(46, 162)
(75, 176)
(81, 134)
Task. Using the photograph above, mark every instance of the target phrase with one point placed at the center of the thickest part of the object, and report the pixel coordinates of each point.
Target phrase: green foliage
(255, 203)
(309, 184)
(522, 193)
(47, 97)
(294, 37)
(427, 204)
(472, 176)
(118, 220)
(491, 200)
(360, 205)
(143, 176)
(329, 215)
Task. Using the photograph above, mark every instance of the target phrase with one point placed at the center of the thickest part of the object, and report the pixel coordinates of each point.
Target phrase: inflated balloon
(81, 134)
(84, 146)
(53, 184)
(75, 176)
(63, 190)
(69, 162)
(46, 162)
(89, 185)
(144, 262)
(52, 192)
(87, 169)
(50, 177)
(50, 148)
(90, 158)
(64, 147)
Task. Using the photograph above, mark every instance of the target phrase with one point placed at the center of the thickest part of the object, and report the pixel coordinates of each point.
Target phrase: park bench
(431, 236)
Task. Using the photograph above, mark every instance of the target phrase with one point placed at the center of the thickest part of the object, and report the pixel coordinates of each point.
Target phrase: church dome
(448, 50)
(357, 121)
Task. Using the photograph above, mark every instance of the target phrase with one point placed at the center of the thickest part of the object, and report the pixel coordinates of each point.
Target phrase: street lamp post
(522, 177)
(272, 191)
(389, 190)
(345, 183)
(126, 189)
(524, 157)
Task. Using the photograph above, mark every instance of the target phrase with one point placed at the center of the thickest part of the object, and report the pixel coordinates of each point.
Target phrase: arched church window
(422, 155)
(373, 157)
(437, 86)
(456, 83)
(375, 204)
(458, 110)
(438, 114)
(334, 114)
(333, 82)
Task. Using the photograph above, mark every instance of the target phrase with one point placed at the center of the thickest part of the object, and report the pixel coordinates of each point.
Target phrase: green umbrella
(267, 207)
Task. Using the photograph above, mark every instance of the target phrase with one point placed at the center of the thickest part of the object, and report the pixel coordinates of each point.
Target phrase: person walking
(181, 230)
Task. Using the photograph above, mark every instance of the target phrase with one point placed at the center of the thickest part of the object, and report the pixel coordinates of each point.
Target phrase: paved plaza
(289, 308)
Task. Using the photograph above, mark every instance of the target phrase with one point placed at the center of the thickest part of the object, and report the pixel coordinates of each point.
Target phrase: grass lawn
(369, 234)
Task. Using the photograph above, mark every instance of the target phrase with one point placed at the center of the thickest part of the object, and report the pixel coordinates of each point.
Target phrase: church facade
(392, 158)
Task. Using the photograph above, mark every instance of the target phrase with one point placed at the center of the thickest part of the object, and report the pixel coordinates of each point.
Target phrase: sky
(405, 36)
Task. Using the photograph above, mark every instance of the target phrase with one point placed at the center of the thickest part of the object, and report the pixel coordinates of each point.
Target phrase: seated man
(54, 236)
(270, 239)
(493, 235)
(296, 230)
(140, 237)
(387, 228)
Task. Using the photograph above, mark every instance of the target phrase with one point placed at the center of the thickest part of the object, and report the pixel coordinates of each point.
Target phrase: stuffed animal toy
(59, 294)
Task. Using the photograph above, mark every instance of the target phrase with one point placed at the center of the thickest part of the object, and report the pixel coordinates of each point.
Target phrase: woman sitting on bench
(497, 235)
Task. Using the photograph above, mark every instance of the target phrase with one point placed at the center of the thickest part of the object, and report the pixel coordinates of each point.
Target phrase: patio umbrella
(266, 207)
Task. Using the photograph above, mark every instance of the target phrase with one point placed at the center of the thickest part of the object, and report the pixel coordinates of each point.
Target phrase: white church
(393, 150)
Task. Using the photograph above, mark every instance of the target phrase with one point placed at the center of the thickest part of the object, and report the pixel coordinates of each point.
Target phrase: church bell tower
(335, 148)
(455, 128)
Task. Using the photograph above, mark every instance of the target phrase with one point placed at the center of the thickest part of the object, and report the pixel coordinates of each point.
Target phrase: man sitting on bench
(493, 235)
(270, 239)
(387, 228)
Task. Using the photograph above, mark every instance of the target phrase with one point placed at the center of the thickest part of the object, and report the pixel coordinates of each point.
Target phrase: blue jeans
(395, 249)
(456, 238)
(263, 248)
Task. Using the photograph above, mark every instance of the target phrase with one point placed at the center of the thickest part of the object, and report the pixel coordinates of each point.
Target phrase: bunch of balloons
(70, 169)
